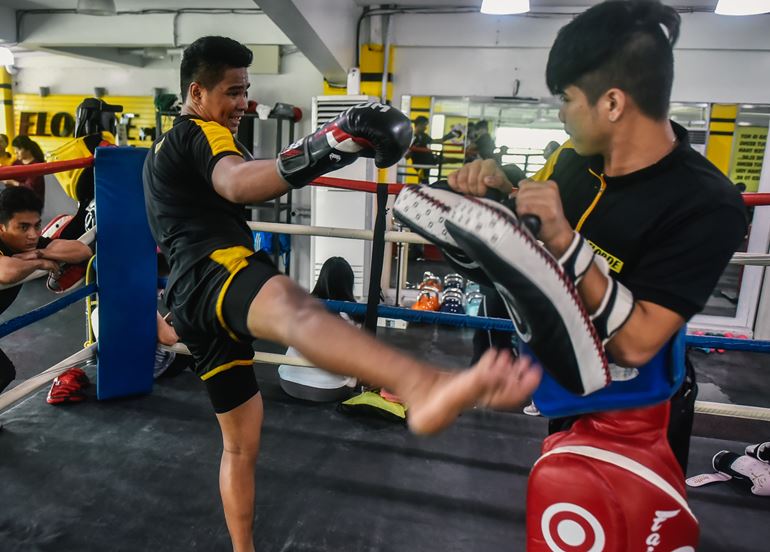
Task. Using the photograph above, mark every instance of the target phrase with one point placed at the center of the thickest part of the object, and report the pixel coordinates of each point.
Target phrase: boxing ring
(139, 471)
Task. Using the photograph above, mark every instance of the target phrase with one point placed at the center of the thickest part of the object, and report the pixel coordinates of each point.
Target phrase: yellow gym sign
(50, 120)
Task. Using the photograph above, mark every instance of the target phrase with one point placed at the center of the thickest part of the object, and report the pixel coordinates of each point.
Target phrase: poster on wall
(748, 154)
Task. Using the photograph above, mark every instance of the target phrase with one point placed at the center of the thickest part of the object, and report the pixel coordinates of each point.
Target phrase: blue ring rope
(504, 325)
(501, 324)
(39, 313)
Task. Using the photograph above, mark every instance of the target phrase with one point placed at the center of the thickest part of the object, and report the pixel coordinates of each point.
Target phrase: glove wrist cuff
(295, 164)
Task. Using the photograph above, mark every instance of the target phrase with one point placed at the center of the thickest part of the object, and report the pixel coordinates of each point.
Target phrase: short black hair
(17, 199)
(421, 120)
(206, 60)
(626, 44)
(482, 124)
(25, 142)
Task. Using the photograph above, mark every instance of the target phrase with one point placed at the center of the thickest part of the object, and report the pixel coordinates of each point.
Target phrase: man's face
(420, 128)
(226, 102)
(582, 122)
(22, 232)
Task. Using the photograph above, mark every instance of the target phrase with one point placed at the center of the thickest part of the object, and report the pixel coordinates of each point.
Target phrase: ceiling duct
(97, 7)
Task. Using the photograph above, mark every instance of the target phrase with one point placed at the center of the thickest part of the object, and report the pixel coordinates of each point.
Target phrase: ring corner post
(126, 276)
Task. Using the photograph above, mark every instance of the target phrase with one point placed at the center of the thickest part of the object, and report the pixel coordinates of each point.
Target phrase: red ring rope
(357, 185)
(15, 172)
(36, 169)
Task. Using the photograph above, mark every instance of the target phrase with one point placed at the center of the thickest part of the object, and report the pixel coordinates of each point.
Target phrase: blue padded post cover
(127, 273)
(657, 381)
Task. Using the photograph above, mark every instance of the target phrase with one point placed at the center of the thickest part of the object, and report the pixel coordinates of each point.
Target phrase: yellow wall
(372, 59)
(6, 96)
(721, 132)
(38, 113)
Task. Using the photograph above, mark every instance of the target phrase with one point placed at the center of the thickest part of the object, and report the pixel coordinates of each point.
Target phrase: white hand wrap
(577, 259)
(616, 305)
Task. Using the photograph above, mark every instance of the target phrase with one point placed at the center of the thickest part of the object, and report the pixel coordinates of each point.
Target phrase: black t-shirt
(485, 146)
(668, 230)
(8, 296)
(188, 218)
(422, 141)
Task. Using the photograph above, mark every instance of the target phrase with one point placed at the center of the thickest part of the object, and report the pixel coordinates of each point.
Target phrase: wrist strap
(577, 259)
(615, 307)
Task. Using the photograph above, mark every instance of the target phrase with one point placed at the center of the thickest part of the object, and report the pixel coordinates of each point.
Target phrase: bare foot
(496, 381)
(166, 332)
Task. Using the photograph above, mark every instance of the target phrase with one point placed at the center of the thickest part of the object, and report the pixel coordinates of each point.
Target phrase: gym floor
(141, 473)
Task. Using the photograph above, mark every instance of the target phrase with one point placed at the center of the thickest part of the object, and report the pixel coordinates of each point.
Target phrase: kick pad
(424, 210)
(543, 303)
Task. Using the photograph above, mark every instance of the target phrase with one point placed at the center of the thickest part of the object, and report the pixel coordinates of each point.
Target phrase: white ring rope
(701, 407)
(733, 410)
(755, 259)
(268, 358)
(87, 238)
(330, 232)
(28, 386)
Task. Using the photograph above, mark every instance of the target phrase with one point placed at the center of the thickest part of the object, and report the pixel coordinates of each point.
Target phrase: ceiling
(536, 4)
(132, 5)
(125, 5)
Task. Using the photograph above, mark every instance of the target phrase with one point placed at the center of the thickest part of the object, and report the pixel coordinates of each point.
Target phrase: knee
(291, 306)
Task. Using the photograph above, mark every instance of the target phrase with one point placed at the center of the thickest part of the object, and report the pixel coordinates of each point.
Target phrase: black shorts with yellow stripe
(210, 304)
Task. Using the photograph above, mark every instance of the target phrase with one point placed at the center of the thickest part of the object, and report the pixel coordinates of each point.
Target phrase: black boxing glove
(368, 130)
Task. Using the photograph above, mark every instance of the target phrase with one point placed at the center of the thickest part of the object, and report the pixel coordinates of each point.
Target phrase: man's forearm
(15, 270)
(251, 182)
(66, 251)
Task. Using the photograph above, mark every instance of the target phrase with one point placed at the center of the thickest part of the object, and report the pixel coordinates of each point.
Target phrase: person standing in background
(28, 152)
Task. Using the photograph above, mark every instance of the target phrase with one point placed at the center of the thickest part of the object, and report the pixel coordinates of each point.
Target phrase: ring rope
(733, 410)
(701, 407)
(331, 232)
(268, 358)
(37, 169)
(14, 172)
(39, 313)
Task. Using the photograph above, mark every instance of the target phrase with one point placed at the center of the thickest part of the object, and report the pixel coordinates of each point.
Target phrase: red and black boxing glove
(368, 130)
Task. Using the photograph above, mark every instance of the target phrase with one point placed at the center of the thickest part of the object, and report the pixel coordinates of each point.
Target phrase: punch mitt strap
(541, 299)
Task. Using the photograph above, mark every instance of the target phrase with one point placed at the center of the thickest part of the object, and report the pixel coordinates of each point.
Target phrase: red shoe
(75, 375)
(69, 276)
(68, 387)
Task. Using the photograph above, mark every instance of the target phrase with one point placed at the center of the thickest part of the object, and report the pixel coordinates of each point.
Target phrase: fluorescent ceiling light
(6, 56)
(96, 7)
(742, 7)
(504, 7)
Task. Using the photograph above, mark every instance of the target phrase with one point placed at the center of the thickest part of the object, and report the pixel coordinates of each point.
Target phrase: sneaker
(531, 410)
(68, 387)
(68, 277)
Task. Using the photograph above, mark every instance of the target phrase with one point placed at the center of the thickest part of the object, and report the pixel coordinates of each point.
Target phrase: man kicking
(223, 295)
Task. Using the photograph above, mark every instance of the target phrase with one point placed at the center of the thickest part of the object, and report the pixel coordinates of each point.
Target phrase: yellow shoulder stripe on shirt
(220, 139)
(545, 173)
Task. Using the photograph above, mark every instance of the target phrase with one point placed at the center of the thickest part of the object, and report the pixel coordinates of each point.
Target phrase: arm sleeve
(685, 259)
(209, 143)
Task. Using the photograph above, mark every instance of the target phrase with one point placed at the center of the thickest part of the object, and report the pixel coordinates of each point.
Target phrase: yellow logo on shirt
(159, 144)
(616, 265)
